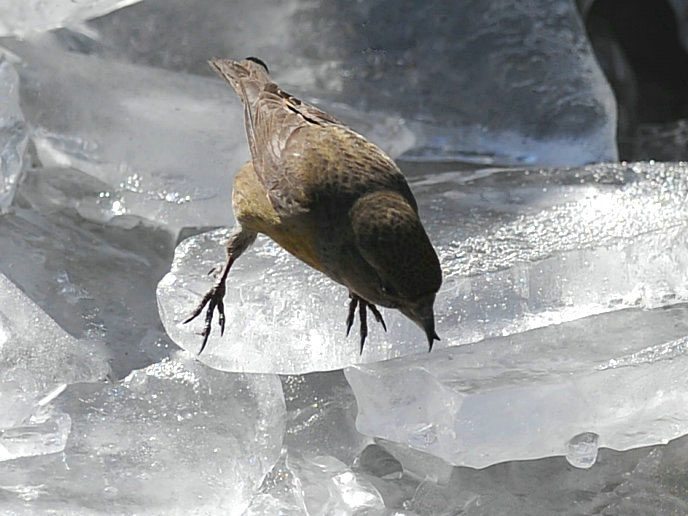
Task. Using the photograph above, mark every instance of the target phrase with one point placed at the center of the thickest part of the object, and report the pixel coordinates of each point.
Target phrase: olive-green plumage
(332, 199)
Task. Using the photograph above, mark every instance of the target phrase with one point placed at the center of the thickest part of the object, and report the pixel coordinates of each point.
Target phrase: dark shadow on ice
(638, 44)
(95, 280)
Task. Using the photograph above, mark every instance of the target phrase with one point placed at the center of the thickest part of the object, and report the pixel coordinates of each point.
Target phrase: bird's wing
(276, 118)
(301, 153)
(391, 238)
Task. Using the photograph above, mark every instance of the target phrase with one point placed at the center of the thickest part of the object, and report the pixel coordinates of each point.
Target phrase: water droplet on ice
(582, 450)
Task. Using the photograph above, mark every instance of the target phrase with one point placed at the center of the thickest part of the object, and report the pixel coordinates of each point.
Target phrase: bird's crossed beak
(423, 315)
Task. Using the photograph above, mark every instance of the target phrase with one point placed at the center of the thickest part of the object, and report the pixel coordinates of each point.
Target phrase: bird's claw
(363, 306)
(378, 315)
(214, 300)
(352, 313)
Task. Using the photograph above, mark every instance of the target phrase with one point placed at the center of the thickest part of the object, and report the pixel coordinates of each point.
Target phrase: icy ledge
(614, 380)
(38, 359)
(175, 438)
(13, 133)
(30, 16)
(519, 250)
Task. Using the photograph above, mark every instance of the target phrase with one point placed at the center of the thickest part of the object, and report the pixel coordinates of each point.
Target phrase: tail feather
(248, 77)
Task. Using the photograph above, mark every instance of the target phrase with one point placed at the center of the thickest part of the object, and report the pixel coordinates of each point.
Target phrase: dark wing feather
(300, 153)
(275, 117)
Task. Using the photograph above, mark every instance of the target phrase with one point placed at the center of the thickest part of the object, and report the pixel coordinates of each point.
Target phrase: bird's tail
(248, 77)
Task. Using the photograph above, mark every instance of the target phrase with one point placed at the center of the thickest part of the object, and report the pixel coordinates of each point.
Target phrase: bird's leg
(237, 244)
(352, 312)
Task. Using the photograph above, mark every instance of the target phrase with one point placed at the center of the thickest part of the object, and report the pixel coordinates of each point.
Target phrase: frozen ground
(558, 386)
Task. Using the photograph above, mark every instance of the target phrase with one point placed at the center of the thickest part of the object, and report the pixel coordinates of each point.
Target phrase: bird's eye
(386, 289)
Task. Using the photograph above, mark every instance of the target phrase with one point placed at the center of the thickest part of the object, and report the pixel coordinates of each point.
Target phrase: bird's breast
(299, 240)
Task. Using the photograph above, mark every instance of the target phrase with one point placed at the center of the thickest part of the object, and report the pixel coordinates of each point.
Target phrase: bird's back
(336, 190)
(303, 156)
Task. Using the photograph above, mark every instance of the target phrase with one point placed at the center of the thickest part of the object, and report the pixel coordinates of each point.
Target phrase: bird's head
(421, 312)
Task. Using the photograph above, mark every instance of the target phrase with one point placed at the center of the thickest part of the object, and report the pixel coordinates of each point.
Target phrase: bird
(332, 199)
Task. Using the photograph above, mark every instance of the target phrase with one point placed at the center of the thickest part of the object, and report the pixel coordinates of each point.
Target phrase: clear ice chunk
(165, 144)
(36, 354)
(96, 281)
(13, 132)
(46, 431)
(473, 80)
(379, 463)
(315, 485)
(526, 396)
(22, 17)
(519, 250)
(582, 452)
(174, 438)
(37, 360)
(321, 420)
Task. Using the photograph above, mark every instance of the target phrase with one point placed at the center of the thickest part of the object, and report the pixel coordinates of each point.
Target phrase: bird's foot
(363, 306)
(214, 299)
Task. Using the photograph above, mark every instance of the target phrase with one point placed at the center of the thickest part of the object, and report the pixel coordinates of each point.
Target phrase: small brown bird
(332, 199)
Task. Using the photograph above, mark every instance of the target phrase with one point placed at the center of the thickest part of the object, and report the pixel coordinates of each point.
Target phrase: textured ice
(22, 17)
(643, 481)
(321, 413)
(13, 133)
(531, 395)
(480, 80)
(311, 485)
(165, 145)
(36, 353)
(37, 359)
(174, 438)
(97, 281)
(582, 452)
(519, 250)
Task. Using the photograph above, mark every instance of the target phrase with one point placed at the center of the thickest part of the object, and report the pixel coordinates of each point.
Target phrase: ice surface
(321, 413)
(617, 375)
(97, 282)
(315, 486)
(519, 250)
(13, 133)
(21, 17)
(36, 353)
(37, 358)
(642, 481)
(475, 79)
(174, 438)
(166, 145)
